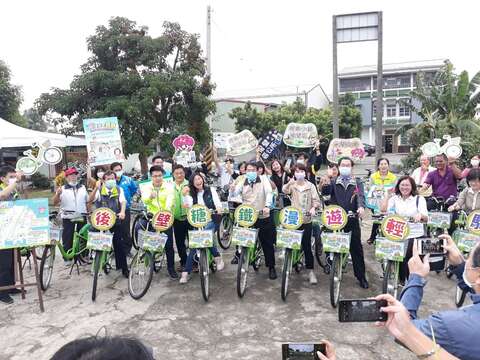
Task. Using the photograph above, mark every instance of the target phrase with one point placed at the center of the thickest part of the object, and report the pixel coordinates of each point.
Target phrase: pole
(336, 130)
(379, 117)
(306, 99)
(209, 56)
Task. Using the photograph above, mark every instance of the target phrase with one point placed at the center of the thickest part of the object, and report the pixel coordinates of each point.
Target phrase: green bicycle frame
(75, 249)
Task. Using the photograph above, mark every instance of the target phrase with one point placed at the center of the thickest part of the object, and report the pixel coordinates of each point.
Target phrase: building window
(395, 81)
(403, 109)
(374, 108)
(403, 139)
(355, 84)
(391, 109)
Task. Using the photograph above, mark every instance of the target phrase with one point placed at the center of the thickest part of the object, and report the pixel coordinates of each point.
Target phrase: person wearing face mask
(130, 188)
(253, 193)
(72, 198)
(468, 200)
(474, 164)
(304, 196)
(9, 179)
(110, 195)
(347, 192)
(456, 331)
(312, 162)
(97, 175)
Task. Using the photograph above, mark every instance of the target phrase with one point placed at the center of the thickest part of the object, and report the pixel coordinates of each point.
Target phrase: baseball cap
(71, 171)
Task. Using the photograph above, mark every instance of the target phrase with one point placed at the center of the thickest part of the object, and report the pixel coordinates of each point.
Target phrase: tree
(151, 84)
(10, 97)
(34, 120)
(447, 105)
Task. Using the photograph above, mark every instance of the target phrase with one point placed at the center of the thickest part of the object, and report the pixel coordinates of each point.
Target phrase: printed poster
(104, 144)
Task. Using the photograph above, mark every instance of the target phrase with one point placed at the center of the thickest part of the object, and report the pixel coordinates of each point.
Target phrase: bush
(40, 181)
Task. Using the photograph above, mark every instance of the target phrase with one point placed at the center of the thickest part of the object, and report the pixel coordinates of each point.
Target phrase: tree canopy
(156, 86)
(10, 97)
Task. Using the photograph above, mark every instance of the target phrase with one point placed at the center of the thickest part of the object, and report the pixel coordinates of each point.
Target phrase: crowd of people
(264, 187)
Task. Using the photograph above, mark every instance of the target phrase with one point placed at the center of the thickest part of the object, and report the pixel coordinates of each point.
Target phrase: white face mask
(300, 175)
(475, 162)
(100, 175)
(345, 170)
(119, 173)
(301, 161)
(73, 183)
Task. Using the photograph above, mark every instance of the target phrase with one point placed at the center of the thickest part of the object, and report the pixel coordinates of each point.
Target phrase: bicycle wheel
(96, 269)
(242, 271)
(335, 279)
(133, 232)
(141, 274)
(109, 262)
(459, 297)
(204, 273)
(390, 279)
(287, 269)
(39, 252)
(224, 232)
(46, 266)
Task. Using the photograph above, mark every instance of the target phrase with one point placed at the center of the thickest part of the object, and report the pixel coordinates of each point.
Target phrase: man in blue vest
(130, 188)
(108, 194)
(8, 192)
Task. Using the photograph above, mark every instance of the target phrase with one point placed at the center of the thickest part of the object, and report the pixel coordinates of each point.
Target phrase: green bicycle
(151, 252)
(78, 252)
(247, 241)
(224, 233)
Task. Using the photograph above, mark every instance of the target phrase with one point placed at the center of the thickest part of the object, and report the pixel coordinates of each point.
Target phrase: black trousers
(126, 234)
(180, 229)
(7, 274)
(404, 273)
(118, 248)
(373, 234)
(68, 230)
(266, 235)
(356, 249)
(307, 245)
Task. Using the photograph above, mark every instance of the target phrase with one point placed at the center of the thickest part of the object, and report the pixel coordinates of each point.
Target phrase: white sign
(352, 148)
(290, 239)
(220, 140)
(466, 241)
(244, 236)
(241, 143)
(99, 241)
(336, 242)
(104, 144)
(451, 148)
(152, 241)
(389, 250)
(198, 239)
(300, 135)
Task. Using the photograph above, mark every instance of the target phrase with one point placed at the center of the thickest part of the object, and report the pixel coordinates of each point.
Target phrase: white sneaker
(184, 278)
(67, 263)
(312, 278)
(220, 263)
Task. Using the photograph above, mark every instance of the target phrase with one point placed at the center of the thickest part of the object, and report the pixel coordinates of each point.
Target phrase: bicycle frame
(75, 249)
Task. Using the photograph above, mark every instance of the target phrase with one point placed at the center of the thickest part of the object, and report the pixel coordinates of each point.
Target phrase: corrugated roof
(392, 68)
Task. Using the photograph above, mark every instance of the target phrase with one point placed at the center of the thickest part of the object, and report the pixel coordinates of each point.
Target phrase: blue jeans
(169, 252)
(189, 265)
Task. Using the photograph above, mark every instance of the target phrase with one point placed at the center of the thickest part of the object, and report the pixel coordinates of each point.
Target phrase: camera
(361, 310)
(430, 246)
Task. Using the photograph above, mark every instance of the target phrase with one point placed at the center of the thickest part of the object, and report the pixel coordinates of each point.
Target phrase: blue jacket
(457, 331)
(129, 187)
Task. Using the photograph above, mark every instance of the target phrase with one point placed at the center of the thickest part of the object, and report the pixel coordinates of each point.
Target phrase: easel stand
(19, 280)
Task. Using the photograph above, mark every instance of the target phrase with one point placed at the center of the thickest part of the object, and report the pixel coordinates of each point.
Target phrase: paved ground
(176, 321)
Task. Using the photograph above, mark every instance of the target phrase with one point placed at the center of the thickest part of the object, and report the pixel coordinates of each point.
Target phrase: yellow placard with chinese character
(291, 218)
(473, 222)
(334, 218)
(199, 216)
(246, 215)
(395, 228)
(103, 218)
(162, 220)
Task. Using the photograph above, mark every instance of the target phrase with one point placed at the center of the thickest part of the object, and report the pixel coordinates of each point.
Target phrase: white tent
(12, 135)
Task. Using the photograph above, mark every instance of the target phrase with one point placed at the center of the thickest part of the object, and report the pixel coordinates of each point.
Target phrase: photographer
(455, 330)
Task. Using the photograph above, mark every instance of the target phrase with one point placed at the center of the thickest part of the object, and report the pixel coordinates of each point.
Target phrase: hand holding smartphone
(292, 351)
(361, 310)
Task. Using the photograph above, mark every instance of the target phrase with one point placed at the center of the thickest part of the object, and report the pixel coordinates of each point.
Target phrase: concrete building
(399, 81)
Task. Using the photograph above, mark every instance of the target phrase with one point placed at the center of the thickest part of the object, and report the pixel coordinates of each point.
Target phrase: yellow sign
(103, 218)
(395, 228)
(162, 220)
(473, 222)
(291, 218)
(246, 215)
(334, 218)
(199, 216)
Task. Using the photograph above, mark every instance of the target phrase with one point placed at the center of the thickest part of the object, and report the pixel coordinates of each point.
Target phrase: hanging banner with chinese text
(104, 144)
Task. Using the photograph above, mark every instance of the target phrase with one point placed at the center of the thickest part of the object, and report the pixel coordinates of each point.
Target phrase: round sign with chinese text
(199, 216)
(395, 228)
(334, 217)
(291, 218)
(162, 220)
(473, 222)
(246, 215)
(103, 218)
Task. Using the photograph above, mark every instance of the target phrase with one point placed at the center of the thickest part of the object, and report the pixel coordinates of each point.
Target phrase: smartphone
(361, 310)
(430, 246)
(302, 351)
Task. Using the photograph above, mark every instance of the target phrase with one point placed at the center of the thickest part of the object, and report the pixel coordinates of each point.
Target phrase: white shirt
(408, 207)
(416, 175)
(73, 200)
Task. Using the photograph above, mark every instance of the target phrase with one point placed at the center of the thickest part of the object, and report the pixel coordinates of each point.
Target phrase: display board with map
(24, 223)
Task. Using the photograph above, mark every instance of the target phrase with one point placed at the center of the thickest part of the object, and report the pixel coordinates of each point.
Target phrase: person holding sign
(407, 203)
(381, 179)
(207, 196)
(9, 179)
(159, 196)
(253, 193)
(110, 195)
(468, 200)
(347, 192)
(304, 196)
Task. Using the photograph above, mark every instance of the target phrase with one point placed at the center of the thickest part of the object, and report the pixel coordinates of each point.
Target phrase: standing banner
(300, 135)
(241, 143)
(352, 148)
(184, 154)
(104, 144)
(269, 145)
(24, 223)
